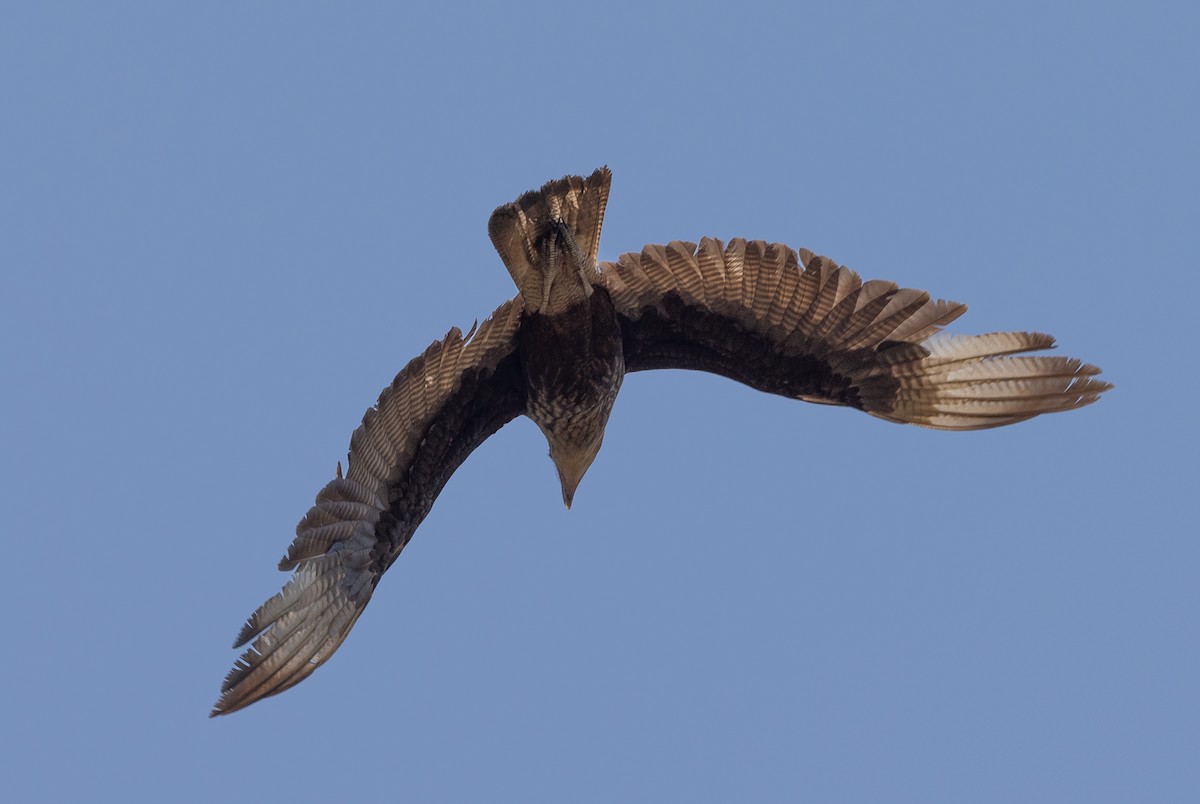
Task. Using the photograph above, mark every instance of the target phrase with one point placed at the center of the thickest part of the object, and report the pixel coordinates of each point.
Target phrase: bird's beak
(572, 464)
(569, 484)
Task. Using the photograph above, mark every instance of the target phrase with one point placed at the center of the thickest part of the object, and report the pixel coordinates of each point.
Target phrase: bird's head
(573, 452)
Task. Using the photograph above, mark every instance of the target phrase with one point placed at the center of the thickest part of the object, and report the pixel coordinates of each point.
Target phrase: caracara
(777, 320)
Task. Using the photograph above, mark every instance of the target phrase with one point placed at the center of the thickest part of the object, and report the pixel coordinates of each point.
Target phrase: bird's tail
(549, 239)
(972, 382)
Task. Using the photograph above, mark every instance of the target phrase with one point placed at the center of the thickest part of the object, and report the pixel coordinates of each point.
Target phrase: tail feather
(519, 231)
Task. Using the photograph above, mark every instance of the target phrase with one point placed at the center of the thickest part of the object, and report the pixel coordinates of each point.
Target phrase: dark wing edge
(439, 408)
(803, 326)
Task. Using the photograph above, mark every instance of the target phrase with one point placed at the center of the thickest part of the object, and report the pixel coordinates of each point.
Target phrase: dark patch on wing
(683, 336)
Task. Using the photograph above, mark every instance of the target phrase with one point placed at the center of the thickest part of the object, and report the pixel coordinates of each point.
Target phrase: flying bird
(778, 320)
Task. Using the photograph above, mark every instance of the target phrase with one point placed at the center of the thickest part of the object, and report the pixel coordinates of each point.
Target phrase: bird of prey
(777, 320)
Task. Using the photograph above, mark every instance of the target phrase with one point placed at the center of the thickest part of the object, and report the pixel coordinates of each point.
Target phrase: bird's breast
(573, 360)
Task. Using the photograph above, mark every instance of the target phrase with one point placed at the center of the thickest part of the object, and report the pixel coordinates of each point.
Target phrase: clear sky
(225, 227)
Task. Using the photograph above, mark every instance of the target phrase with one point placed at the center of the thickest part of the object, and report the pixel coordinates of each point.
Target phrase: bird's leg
(565, 242)
(559, 250)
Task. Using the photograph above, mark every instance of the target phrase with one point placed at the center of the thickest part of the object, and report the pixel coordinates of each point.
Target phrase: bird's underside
(777, 320)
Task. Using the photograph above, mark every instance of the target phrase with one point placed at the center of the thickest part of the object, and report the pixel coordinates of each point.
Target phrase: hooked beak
(572, 463)
(569, 484)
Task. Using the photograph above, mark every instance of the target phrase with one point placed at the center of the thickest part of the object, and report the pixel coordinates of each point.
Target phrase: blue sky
(225, 228)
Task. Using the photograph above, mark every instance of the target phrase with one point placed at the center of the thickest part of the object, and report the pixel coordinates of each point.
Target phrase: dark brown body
(573, 364)
(573, 361)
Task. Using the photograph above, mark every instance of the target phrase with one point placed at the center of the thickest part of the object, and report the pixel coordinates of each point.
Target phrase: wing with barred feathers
(442, 406)
(804, 327)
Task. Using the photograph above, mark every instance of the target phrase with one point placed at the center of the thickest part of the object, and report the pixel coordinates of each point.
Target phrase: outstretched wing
(442, 406)
(751, 312)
